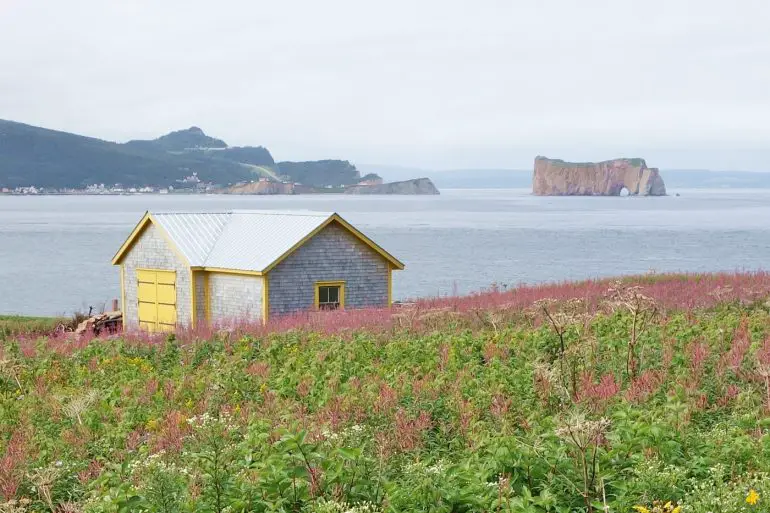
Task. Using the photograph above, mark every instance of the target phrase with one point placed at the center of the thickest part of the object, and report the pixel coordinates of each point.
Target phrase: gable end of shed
(137, 232)
(339, 221)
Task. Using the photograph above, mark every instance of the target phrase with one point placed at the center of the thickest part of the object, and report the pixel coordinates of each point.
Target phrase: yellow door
(157, 299)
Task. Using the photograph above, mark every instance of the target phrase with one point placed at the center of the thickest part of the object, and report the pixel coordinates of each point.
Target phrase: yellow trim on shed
(224, 270)
(129, 242)
(137, 232)
(208, 271)
(123, 295)
(193, 300)
(396, 263)
(352, 230)
(265, 299)
(319, 284)
(206, 298)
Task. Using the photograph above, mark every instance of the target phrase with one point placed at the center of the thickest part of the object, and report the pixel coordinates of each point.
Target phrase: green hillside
(47, 158)
(321, 173)
(182, 140)
(646, 395)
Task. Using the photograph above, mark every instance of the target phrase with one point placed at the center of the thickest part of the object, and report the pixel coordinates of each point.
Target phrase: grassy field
(650, 394)
(14, 325)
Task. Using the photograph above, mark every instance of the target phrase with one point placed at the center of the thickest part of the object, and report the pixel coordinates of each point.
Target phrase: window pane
(329, 297)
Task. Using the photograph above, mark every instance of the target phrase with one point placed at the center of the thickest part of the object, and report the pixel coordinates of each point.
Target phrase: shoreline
(209, 193)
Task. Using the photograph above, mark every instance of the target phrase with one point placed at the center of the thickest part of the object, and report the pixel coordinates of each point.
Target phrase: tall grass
(15, 325)
(672, 292)
(680, 291)
(413, 412)
(464, 402)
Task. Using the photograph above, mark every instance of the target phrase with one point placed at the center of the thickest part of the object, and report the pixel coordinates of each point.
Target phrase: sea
(55, 251)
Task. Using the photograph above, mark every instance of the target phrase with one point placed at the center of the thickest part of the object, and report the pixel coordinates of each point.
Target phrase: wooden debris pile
(108, 322)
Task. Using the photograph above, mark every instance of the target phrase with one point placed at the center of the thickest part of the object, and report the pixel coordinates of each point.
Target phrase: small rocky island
(416, 186)
(555, 177)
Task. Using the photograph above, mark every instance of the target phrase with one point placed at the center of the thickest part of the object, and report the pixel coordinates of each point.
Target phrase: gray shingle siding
(200, 296)
(151, 251)
(235, 298)
(331, 255)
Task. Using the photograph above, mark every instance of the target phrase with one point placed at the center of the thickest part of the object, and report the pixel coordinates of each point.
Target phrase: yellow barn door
(157, 299)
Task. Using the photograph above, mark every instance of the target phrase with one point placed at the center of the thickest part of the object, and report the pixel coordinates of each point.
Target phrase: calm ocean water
(55, 251)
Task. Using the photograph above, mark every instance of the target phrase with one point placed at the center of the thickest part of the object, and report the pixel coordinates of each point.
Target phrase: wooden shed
(189, 268)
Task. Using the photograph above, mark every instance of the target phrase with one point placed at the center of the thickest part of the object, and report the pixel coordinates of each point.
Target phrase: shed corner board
(265, 298)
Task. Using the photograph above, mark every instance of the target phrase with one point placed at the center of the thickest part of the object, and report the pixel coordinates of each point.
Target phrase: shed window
(330, 295)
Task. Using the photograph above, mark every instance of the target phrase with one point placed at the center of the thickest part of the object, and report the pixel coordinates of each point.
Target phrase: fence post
(114, 305)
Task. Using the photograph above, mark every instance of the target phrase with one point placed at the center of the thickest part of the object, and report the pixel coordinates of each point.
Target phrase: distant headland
(554, 177)
(36, 160)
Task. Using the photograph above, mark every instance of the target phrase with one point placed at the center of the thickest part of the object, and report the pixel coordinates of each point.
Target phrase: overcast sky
(429, 83)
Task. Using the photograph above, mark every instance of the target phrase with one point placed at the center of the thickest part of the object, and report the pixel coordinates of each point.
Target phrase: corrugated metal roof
(246, 240)
(254, 240)
(193, 233)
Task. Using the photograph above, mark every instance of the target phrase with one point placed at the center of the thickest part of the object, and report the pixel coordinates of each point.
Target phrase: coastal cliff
(262, 187)
(559, 178)
(416, 186)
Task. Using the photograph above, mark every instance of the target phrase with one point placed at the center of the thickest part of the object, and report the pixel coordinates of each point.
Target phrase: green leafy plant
(487, 409)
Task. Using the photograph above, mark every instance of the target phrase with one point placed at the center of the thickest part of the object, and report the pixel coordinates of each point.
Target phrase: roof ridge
(315, 218)
(313, 213)
(297, 213)
(186, 212)
(183, 218)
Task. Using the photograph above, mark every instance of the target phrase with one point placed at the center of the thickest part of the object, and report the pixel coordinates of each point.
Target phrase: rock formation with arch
(554, 177)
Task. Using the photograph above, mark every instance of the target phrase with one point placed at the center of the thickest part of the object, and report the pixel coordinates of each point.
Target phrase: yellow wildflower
(263, 387)
(677, 509)
(752, 498)
(151, 425)
(641, 509)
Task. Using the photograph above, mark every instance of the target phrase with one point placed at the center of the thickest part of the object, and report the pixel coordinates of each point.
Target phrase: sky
(423, 83)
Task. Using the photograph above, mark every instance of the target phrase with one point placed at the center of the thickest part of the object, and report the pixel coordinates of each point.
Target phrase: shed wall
(200, 297)
(152, 251)
(331, 255)
(235, 298)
